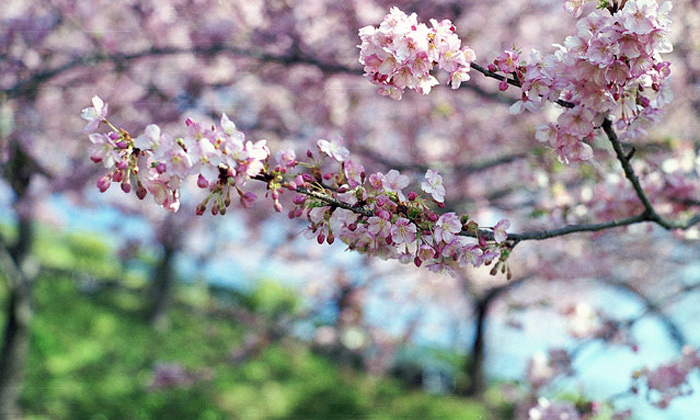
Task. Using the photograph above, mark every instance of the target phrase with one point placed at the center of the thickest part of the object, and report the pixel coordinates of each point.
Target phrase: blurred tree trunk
(18, 313)
(474, 368)
(162, 287)
(18, 171)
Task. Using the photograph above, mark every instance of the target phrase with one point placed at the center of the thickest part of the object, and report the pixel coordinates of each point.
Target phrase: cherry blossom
(94, 114)
(433, 185)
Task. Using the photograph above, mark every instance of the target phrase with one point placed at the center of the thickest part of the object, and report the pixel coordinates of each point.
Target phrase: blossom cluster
(157, 163)
(372, 214)
(401, 53)
(669, 381)
(375, 215)
(611, 68)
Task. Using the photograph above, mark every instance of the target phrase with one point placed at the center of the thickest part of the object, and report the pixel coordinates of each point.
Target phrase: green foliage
(93, 357)
(273, 299)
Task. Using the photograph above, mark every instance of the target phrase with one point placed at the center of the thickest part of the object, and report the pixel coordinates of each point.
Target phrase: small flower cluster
(156, 163)
(371, 214)
(610, 68)
(669, 381)
(374, 215)
(401, 53)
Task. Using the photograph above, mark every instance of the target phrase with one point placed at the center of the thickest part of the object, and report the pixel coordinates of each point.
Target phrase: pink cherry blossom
(94, 114)
(499, 231)
(433, 185)
(403, 231)
(333, 150)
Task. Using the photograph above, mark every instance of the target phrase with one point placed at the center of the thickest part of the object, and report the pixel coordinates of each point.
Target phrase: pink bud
(291, 213)
(352, 226)
(309, 154)
(114, 135)
(327, 176)
(140, 191)
(299, 212)
(122, 144)
(503, 85)
(433, 217)
(321, 238)
(482, 241)
(492, 68)
(161, 167)
(201, 208)
(299, 200)
(417, 262)
(202, 182)
(96, 158)
(189, 121)
(278, 207)
(330, 239)
(118, 176)
(214, 210)
(126, 187)
(123, 164)
(103, 183)
(412, 196)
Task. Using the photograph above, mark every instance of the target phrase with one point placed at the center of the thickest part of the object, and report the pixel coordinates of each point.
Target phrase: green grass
(92, 357)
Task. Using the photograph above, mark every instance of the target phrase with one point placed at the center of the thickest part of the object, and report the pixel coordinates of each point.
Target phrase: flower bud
(412, 196)
(321, 238)
(161, 167)
(417, 261)
(118, 176)
(201, 208)
(330, 239)
(140, 191)
(126, 187)
(123, 164)
(103, 183)
(299, 200)
(503, 85)
(202, 182)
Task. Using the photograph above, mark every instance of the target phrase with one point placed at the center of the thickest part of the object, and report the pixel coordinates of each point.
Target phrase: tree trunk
(16, 336)
(161, 289)
(475, 369)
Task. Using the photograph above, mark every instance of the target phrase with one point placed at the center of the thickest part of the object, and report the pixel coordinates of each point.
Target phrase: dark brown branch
(650, 213)
(513, 82)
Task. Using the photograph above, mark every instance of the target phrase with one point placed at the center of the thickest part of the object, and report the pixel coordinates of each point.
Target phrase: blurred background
(113, 308)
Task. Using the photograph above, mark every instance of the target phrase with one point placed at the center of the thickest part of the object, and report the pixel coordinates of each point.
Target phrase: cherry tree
(572, 157)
